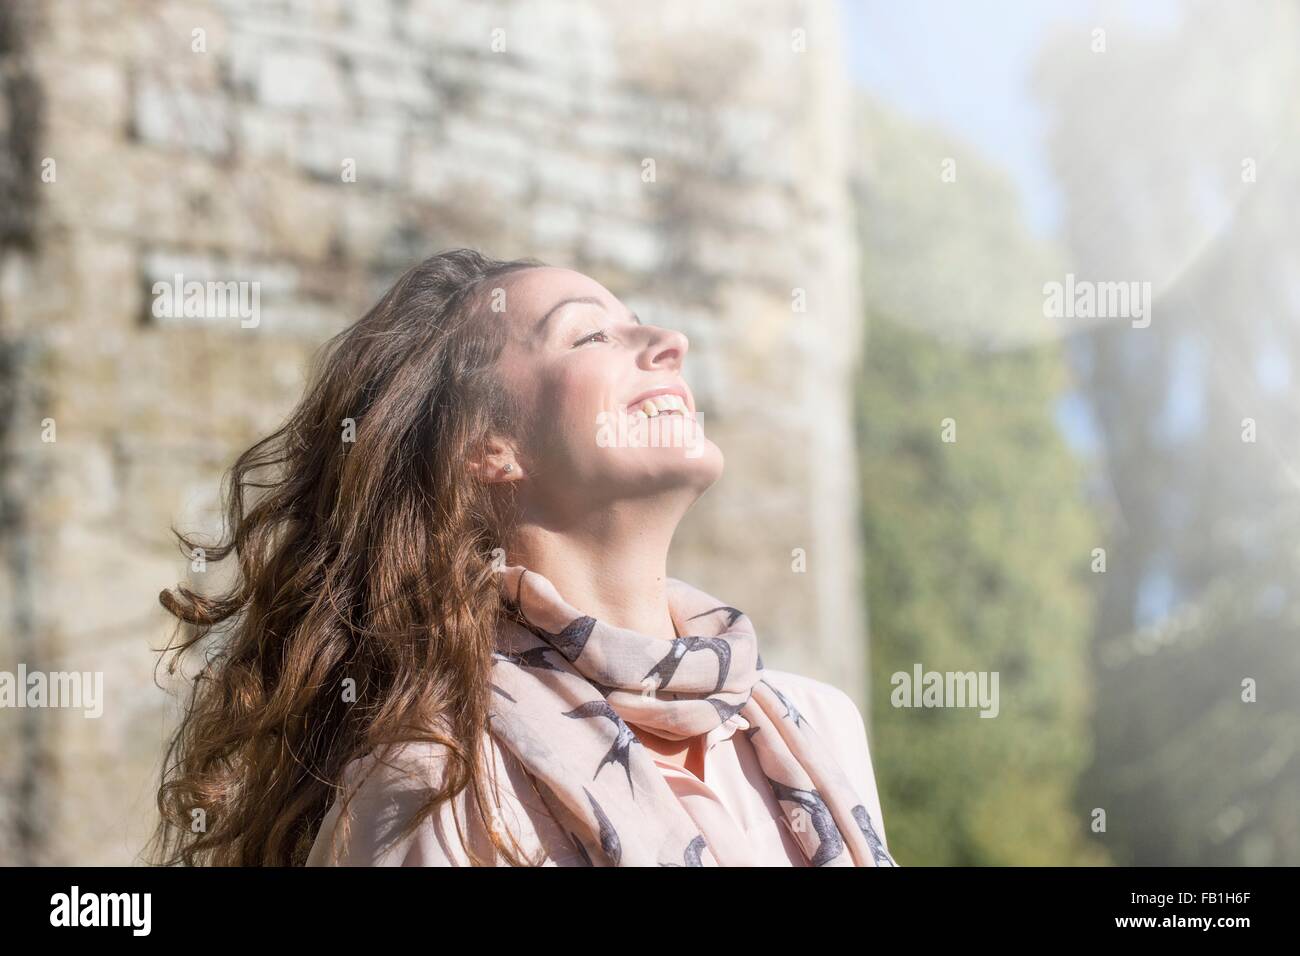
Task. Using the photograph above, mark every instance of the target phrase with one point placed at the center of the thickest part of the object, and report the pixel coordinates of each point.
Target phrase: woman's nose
(666, 347)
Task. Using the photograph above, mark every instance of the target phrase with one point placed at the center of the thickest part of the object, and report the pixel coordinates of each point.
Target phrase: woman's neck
(615, 574)
(613, 570)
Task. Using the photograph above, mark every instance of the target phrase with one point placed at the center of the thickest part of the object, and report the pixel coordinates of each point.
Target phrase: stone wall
(142, 139)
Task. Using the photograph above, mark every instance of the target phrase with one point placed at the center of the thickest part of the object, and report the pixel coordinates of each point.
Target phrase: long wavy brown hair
(364, 561)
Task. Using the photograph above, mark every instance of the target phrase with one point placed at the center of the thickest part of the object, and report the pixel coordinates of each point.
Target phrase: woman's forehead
(530, 293)
(533, 298)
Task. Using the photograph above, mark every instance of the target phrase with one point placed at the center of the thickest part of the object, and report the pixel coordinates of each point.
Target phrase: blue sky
(964, 66)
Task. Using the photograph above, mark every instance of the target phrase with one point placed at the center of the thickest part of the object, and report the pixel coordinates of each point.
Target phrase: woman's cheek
(565, 434)
(579, 406)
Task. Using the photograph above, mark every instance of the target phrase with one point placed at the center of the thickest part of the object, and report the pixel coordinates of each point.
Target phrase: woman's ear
(496, 462)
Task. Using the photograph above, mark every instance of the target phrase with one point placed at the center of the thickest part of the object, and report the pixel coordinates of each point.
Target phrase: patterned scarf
(565, 686)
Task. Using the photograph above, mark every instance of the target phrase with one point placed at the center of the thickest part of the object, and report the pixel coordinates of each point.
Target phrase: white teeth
(661, 404)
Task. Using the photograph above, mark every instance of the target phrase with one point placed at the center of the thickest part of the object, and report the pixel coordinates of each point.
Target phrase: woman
(453, 640)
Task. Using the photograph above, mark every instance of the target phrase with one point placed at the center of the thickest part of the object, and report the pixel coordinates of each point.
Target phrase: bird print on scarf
(680, 647)
(791, 712)
(830, 844)
(532, 657)
(571, 640)
(568, 715)
(620, 751)
(732, 614)
(582, 850)
(726, 711)
(609, 841)
(878, 851)
(692, 855)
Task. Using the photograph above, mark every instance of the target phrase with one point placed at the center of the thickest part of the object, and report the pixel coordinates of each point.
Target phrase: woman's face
(582, 365)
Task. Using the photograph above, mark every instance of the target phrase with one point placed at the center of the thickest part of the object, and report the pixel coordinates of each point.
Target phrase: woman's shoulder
(816, 697)
(382, 790)
(411, 764)
(388, 788)
(836, 719)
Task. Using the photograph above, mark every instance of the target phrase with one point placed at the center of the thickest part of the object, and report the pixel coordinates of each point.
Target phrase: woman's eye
(588, 338)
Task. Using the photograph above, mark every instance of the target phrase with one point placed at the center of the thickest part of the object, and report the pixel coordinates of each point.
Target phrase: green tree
(1176, 153)
(978, 549)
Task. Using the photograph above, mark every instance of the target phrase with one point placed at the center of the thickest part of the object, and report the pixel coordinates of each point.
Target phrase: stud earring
(508, 468)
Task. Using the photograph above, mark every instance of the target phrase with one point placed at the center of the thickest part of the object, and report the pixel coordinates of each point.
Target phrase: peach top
(732, 805)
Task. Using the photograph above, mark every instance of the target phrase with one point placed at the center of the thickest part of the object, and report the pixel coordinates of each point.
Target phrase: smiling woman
(453, 638)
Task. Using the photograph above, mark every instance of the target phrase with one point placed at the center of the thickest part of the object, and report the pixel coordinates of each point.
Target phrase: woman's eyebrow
(540, 328)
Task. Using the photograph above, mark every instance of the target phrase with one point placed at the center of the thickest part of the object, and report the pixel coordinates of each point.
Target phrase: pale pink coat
(733, 805)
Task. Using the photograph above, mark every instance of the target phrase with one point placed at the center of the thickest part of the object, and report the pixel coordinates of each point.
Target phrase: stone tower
(696, 162)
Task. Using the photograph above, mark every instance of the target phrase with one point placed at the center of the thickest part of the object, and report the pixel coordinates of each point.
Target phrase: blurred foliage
(1200, 592)
(977, 550)
(1199, 767)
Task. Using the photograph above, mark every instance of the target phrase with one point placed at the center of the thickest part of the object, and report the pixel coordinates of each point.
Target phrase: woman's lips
(668, 403)
(662, 390)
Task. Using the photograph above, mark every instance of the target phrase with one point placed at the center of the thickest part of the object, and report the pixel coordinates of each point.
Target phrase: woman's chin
(711, 461)
(652, 470)
(697, 467)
